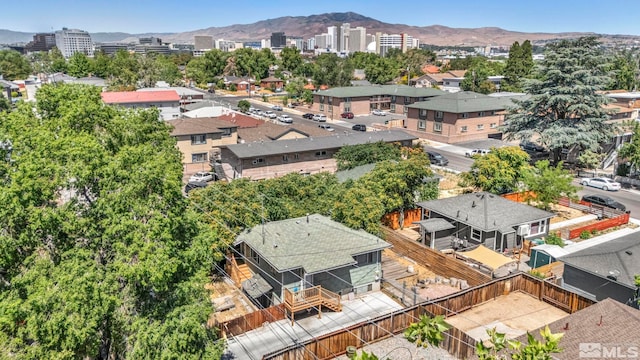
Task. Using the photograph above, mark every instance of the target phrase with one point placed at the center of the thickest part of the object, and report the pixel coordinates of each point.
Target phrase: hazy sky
(139, 16)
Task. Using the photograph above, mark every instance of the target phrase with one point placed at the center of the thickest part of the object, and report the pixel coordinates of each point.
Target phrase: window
(347, 100)
(285, 158)
(198, 139)
(481, 113)
(437, 126)
(296, 156)
(393, 98)
(463, 128)
(476, 234)
(465, 115)
(439, 115)
(393, 107)
(422, 124)
(226, 132)
(493, 125)
(347, 108)
(321, 107)
(322, 99)
(321, 153)
(423, 112)
(480, 126)
(258, 161)
(199, 158)
(537, 228)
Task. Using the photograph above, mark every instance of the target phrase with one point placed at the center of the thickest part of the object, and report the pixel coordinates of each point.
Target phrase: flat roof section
(512, 314)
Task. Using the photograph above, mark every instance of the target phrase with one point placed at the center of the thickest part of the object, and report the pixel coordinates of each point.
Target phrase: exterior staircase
(237, 272)
(310, 298)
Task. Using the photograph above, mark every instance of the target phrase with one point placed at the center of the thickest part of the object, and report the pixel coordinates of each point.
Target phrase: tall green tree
(291, 59)
(58, 62)
(565, 107)
(102, 256)
(549, 184)
(350, 156)
(500, 171)
(13, 65)
(79, 65)
(381, 71)
(101, 65)
(519, 66)
(630, 151)
(626, 71)
(123, 74)
(331, 70)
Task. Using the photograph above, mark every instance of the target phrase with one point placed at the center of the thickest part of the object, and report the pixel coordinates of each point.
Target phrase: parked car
(437, 159)
(285, 119)
(252, 109)
(379, 112)
(326, 127)
(359, 127)
(276, 108)
(192, 185)
(307, 116)
(270, 114)
(531, 146)
(319, 117)
(347, 115)
(601, 183)
(204, 176)
(604, 201)
(479, 152)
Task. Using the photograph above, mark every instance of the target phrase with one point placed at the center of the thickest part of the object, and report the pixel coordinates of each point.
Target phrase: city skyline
(598, 16)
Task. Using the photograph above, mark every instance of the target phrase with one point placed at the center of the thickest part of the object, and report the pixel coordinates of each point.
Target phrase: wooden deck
(311, 298)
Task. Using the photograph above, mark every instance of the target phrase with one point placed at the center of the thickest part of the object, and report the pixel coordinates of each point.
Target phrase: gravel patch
(397, 348)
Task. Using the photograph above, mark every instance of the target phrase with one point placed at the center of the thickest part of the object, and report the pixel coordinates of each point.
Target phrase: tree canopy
(351, 156)
(13, 65)
(500, 171)
(519, 66)
(102, 256)
(565, 107)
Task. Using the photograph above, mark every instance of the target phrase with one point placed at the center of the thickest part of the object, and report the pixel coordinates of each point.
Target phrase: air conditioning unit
(523, 230)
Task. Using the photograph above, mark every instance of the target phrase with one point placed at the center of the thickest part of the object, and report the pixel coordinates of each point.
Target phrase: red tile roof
(135, 97)
(241, 120)
(430, 69)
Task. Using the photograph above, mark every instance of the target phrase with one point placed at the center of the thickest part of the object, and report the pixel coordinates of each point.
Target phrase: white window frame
(439, 115)
(321, 153)
(480, 127)
(542, 228)
(422, 124)
(475, 231)
(464, 128)
(481, 114)
(437, 126)
(493, 125)
(226, 132)
(465, 115)
(285, 158)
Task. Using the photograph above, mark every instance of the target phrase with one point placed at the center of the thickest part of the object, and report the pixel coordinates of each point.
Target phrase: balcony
(310, 298)
(379, 99)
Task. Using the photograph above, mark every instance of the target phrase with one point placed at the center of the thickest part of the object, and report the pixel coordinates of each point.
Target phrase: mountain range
(308, 26)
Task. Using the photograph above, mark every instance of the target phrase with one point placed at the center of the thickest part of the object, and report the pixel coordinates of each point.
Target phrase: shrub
(554, 239)
(584, 235)
(537, 274)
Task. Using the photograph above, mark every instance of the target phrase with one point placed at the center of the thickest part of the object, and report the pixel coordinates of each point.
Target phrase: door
(308, 281)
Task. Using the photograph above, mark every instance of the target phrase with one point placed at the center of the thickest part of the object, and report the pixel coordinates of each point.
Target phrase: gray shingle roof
(608, 322)
(355, 173)
(610, 256)
(485, 211)
(400, 90)
(464, 102)
(318, 245)
(267, 148)
(436, 224)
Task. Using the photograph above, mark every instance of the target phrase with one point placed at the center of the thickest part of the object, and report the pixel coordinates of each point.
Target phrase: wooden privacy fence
(433, 260)
(600, 225)
(392, 220)
(456, 341)
(520, 196)
(254, 320)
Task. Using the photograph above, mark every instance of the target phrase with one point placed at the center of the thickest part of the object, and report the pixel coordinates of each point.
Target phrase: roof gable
(464, 102)
(315, 243)
(485, 211)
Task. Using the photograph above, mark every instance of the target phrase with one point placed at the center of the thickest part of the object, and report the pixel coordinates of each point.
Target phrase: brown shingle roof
(241, 120)
(608, 322)
(188, 126)
(271, 79)
(457, 73)
(270, 131)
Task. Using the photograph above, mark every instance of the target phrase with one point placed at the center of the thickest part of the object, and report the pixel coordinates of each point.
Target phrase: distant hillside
(308, 26)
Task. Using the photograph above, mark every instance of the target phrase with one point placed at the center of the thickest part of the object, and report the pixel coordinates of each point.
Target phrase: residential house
(268, 131)
(458, 117)
(305, 252)
(241, 83)
(270, 159)
(200, 139)
(607, 329)
(483, 218)
(605, 270)
(273, 83)
(362, 100)
(167, 101)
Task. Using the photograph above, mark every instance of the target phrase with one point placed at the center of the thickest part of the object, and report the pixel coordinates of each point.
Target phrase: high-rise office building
(41, 42)
(278, 40)
(384, 42)
(203, 42)
(357, 39)
(71, 41)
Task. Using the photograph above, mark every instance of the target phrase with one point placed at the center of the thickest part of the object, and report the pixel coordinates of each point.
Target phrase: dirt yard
(223, 292)
(564, 213)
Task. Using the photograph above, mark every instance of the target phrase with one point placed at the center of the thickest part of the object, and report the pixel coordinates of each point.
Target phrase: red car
(347, 115)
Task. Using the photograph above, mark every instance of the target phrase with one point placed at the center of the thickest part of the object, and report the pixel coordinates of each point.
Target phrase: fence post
(404, 287)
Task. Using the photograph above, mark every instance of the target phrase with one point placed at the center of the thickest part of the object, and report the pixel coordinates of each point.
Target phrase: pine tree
(564, 108)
